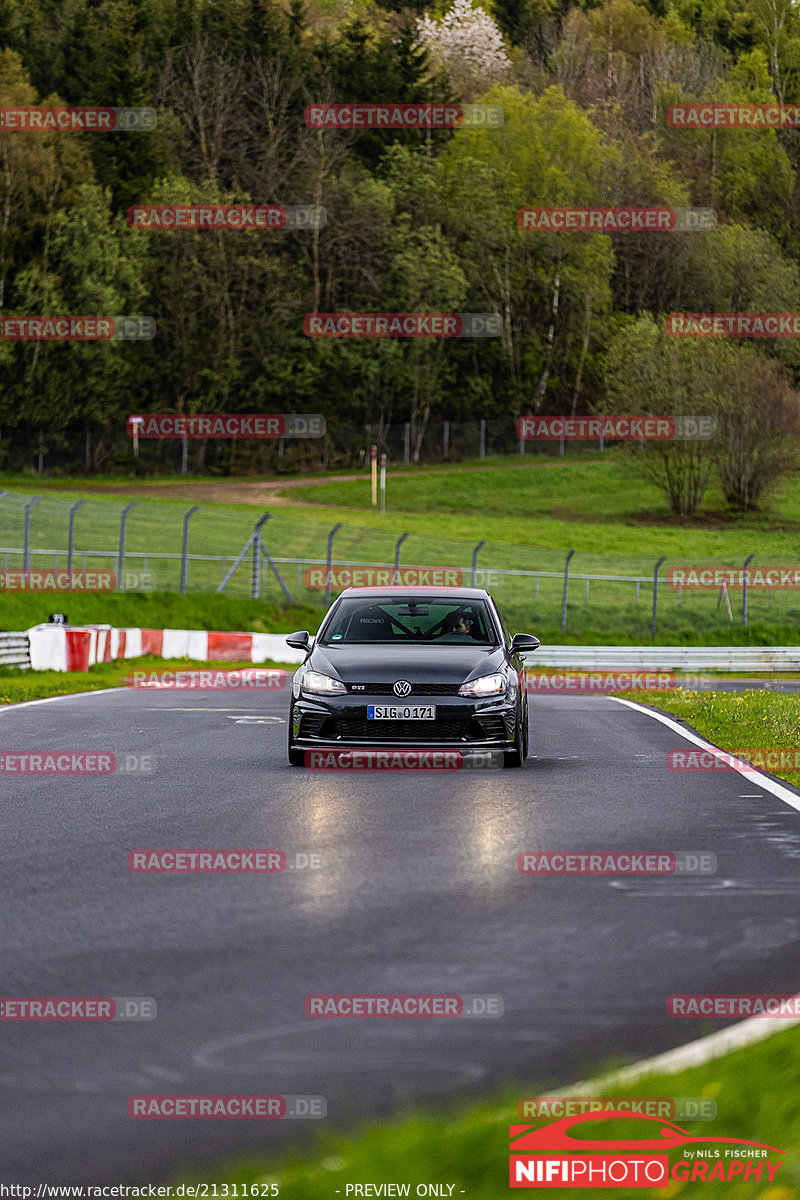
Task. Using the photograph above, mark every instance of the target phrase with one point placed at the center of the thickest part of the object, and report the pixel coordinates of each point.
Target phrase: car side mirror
(524, 643)
(300, 640)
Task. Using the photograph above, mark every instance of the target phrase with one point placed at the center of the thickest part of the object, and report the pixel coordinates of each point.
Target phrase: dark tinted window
(435, 621)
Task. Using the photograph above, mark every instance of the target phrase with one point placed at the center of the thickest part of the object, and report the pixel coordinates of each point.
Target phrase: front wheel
(516, 757)
(296, 757)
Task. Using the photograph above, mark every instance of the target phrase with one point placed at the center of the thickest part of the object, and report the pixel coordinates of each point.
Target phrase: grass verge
(736, 720)
(158, 610)
(755, 1089)
(16, 685)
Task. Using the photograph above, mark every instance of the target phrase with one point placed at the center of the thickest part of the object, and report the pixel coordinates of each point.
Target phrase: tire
(516, 757)
(296, 757)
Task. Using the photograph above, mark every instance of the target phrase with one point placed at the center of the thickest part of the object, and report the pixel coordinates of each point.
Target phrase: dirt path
(256, 492)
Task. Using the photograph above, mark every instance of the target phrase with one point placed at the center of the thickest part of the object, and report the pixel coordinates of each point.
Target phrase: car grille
(448, 730)
(417, 689)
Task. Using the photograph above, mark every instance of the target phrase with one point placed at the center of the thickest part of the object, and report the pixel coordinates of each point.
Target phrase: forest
(418, 220)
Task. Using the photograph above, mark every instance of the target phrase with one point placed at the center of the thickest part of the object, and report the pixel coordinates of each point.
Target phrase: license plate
(398, 712)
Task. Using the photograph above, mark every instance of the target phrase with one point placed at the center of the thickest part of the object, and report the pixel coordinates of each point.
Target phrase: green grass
(529, 515)
(17, 686)
(755, 1089)
(545, 497)
(158, 610)
(737, 721)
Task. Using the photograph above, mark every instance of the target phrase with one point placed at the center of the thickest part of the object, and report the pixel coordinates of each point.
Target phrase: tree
(649, 374)
(758, 436)
(469, 43)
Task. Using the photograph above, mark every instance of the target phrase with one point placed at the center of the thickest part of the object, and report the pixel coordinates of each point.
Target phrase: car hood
(417, 664)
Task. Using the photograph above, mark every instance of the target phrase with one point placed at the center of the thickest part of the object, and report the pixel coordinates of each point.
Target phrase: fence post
(482, 451)
(564, 597)
(446, 439)
(329, 560)
(655, 591)
(475, 562)
(396, 572)
(185, 549)
(270, 563)
(407, 445)
(184, 455)
(71, 536)
(748, 560)
(121, 559)
(26, 545)
(255, 588)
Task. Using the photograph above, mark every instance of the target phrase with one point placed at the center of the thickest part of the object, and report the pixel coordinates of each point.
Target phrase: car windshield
(396, 621)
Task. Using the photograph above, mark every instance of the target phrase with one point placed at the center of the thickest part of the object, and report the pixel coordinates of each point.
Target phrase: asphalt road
(418, 890)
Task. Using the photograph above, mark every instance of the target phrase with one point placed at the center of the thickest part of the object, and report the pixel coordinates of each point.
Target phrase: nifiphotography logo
(565, 1154)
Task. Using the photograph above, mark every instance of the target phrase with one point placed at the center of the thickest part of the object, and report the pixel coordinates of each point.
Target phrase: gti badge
(402, 687)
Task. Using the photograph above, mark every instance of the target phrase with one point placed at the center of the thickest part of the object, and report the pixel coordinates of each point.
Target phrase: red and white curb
(76, 648)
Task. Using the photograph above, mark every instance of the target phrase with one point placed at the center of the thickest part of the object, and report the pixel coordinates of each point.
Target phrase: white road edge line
(764, 781)
(693, 1054)
(66, 696)
(714, 1045)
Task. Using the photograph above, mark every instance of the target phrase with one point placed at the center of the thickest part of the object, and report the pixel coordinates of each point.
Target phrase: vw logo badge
(402, 687)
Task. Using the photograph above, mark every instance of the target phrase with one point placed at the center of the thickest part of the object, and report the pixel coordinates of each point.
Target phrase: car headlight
(314, 681)
(485, 685)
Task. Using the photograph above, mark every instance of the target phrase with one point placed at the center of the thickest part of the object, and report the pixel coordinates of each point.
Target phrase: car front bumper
(460, 722)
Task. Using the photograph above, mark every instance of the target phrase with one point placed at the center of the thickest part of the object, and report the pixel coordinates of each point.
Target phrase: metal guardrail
(15, 650)
(666, 658)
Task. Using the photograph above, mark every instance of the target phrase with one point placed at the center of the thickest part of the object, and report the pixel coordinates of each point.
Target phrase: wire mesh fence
(172, 547)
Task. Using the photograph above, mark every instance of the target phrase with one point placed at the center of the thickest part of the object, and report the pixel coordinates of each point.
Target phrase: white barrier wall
(48, 645)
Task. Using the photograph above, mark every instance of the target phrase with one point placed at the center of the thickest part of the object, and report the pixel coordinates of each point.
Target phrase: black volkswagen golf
(403, 666)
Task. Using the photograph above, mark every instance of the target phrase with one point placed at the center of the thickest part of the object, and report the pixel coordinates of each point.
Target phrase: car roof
(397, 592)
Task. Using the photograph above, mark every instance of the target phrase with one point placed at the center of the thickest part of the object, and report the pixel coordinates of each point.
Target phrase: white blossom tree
(469, 44)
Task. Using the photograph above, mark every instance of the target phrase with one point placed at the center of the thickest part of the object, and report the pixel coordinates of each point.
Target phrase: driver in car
(458, 622)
